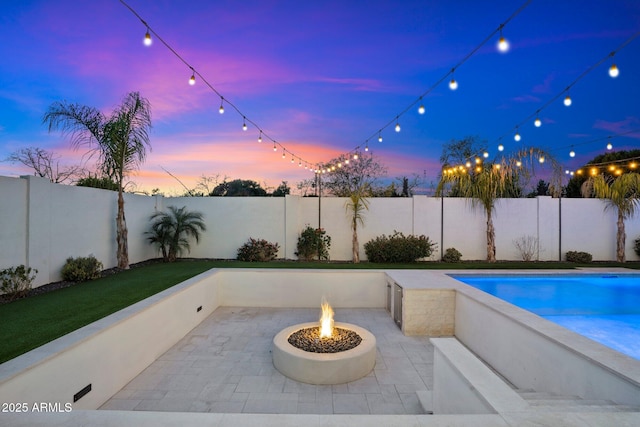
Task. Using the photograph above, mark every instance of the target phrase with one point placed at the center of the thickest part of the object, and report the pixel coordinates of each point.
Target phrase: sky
(322, 78)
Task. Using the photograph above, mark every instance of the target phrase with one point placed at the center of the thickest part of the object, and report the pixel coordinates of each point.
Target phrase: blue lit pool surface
(604, 308)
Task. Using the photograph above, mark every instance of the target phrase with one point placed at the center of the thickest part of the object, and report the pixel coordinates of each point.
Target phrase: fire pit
(325, 353)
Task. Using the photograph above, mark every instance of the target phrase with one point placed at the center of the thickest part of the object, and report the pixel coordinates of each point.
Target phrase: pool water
(604, 308)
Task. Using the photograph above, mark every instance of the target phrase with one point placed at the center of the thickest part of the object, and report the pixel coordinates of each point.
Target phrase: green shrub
(313, 244)
(16, 281)
(579, 257)
(258, 250)
(81, 269)
(451, 255)
(636, 246)
(398, 248)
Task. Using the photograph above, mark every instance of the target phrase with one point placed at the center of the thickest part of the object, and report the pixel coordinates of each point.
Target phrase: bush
(16, 281)
(81, 269)
(636, 246)
(579, 257)
(313, 244)
(258, 250)
(527, 246)
(398, 248)
(451, 255)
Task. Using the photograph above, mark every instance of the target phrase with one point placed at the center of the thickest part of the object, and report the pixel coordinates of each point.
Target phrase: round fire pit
(320, 365)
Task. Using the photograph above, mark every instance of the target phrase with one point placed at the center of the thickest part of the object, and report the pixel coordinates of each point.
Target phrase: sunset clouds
(319, 78)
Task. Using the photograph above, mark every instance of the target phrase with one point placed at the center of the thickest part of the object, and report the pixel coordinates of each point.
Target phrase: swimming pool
(604, 308)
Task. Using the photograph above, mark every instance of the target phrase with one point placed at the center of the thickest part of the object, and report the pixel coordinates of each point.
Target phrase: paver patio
(224, 365)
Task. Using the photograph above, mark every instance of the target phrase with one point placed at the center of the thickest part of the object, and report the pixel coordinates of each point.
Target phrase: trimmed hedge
(579, 257)
(398, 248)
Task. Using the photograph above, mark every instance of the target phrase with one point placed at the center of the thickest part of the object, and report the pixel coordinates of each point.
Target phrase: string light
(453, 84)
(613, 71)
(541, 159)
(397, 125)
(274, 146)
(503, 44)
(379, 137)
(260, 137)
(537, 122)
(517, 135)
(421, 109)
(147, 38)
(485, 155)
(192, 79)
(221, 109)
(244, 123)
(609, 145)
(572, 153)
(366, 147)
(567, 100)
(500, 147)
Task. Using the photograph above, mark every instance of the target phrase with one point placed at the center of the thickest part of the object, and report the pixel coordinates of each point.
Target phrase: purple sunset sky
(321, 78)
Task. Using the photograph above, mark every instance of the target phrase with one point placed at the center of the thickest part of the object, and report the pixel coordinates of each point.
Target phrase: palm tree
(120, 141)
(356, 205)
(487, 182)
(621, 193)
(171, 231)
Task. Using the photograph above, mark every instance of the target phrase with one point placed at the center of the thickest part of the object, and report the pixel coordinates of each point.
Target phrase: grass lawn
(31, 322)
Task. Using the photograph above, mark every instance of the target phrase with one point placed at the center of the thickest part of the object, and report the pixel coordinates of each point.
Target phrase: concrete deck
(224, 366)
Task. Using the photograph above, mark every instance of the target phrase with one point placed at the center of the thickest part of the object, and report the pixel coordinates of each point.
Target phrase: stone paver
(224, 365)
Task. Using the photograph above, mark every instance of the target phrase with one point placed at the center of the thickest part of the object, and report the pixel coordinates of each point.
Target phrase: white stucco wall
(42, 224)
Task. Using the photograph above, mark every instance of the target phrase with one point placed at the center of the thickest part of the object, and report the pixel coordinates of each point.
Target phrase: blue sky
(320, 78)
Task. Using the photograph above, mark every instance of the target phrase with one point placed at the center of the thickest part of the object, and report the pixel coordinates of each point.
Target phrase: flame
(326, 320)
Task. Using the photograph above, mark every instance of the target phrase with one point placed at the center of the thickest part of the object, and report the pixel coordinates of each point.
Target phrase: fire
(326, 320)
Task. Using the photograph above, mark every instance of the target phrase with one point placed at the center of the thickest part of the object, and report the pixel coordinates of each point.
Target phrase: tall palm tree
(355, 206)
(171, 231)
(120, 140)
(621, 193)
(487, 182)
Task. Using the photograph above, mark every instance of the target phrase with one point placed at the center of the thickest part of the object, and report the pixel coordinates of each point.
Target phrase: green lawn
(31, 322)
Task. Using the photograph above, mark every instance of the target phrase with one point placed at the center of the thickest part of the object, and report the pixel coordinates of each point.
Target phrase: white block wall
(42, 224)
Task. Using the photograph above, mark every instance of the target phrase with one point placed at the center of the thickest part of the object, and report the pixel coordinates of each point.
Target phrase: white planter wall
(42, 224)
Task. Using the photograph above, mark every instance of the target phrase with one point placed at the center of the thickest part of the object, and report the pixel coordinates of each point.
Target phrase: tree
(171, 231)
(45, 164)
(458, 152)
(238, 188)
(120, 140)
(623, 160)
(487, 182)
(542, 189)
(355, 206)
(621, 193)
(356, 173)
(282, 190)
(104, 183)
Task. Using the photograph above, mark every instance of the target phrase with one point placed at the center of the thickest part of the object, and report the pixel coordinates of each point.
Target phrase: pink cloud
(629, 124)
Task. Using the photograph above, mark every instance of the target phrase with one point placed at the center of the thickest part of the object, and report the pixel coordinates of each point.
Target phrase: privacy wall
(42, 224)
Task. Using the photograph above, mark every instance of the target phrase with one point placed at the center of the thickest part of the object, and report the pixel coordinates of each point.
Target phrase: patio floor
(224, 365)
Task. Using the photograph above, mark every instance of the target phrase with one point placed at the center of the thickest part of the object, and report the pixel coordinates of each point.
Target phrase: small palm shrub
(170, 231)
(451, 255)
(313, 243)
(636, 246)
(398, 248)
(258, 251)
(16, 282)
(81, 269)
(579, 257)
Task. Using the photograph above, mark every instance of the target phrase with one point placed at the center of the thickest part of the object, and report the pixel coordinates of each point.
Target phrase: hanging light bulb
(346, 162)
(221, 109)
(500, 147)
(613, 71)
(518, 163)
(192, 79)
(274, 147)
(537, 122)
(421, 109)
(397, 125)
(291, 159)
(503, 44)
(284, 156)
(541, 159)
(567, 100)
(379, 137)
(609, 145)
(468, 164)
(244, 123)
(485, 155)
(478, 160)
(572, 153)
(300, 164)
(147, 38)
(517, 135)
(355, 157)
(571, 173)
(260, 137)
(366, 147)
(453, 84)
(339, 165)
